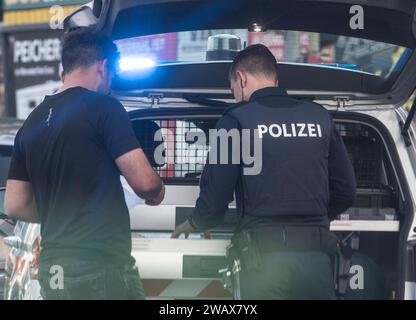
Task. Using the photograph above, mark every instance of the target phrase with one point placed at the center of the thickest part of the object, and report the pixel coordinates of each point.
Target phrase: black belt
(292, 238)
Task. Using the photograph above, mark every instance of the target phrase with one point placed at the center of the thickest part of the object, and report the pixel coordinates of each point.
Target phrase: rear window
(360, 55)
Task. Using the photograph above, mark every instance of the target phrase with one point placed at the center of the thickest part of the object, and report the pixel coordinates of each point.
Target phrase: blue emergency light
(136, 63)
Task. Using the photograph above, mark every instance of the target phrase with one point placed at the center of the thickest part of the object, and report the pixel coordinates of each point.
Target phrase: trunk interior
(379, 196)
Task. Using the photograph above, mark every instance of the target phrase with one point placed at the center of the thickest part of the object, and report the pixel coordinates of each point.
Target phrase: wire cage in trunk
(178, 148)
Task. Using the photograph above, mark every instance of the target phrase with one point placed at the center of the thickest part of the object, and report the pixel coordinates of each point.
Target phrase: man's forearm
(150, 191)
(154, 193)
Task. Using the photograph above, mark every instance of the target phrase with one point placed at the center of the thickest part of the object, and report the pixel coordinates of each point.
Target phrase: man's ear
(102, 68)
(241, 79)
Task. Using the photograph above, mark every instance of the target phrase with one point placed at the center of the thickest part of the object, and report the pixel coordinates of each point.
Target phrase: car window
(361, 55)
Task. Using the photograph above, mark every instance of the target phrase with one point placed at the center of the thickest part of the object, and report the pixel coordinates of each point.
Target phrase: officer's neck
(255, 83)
(250, 89)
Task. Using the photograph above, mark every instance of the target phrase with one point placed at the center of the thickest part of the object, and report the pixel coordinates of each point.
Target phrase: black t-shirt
(67, 150)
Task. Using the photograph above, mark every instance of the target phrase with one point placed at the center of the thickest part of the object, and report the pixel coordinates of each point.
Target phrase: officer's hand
(184, 228)
(158, 200)
(206, 235)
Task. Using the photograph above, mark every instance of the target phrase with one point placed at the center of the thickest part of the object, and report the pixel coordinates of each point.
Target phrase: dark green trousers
(289, 276)
(70, 279)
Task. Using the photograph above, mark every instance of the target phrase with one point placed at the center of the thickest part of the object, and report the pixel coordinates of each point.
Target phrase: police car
(8, 130)
(358, 61)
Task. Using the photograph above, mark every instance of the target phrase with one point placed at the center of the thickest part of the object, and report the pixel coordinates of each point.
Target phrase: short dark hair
(83, 47)
(256, 59)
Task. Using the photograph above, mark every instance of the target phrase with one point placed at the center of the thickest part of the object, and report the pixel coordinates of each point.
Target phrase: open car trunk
(377, 221)
(382, 216)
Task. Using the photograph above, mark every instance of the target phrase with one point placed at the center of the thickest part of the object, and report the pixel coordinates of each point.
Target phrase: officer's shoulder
(314, 106)
(235, 107)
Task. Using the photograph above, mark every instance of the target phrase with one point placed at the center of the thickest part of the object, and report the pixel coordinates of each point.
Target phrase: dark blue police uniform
(306, 178)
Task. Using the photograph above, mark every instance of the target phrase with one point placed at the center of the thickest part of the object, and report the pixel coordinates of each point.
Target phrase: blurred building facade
(30, 33)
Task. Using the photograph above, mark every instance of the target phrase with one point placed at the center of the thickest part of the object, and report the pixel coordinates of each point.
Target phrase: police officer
(282, 248)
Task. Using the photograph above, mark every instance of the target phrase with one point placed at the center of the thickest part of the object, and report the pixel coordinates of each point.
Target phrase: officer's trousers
(288, 276)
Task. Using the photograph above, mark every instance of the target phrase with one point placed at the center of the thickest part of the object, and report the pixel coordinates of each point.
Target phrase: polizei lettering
(292, 130)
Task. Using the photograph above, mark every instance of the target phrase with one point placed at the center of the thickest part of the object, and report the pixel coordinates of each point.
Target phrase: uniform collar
(267, 92)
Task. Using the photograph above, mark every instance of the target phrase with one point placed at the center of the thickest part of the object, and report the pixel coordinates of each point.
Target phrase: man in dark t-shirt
(65, 174)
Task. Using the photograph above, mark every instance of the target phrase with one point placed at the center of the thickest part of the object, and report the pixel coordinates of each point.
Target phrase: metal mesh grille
(185, 159)
(185, 149)
(365, 151)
